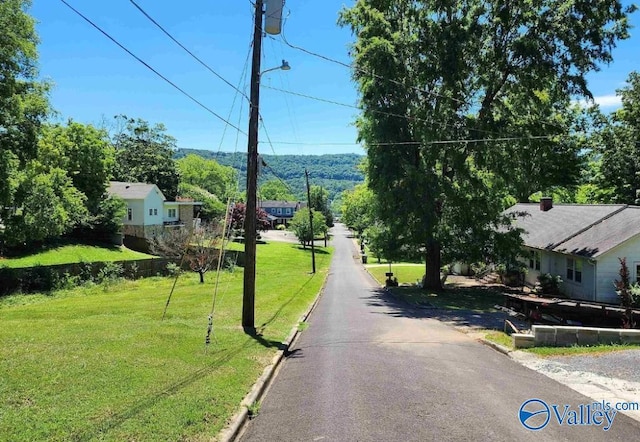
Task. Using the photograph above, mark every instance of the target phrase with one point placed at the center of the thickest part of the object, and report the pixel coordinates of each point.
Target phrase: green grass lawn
(406, 273)
(70, 253)
(98, 363)
(477, 299)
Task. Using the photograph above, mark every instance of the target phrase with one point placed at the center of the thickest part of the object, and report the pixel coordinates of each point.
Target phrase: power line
(350, 66)
(421, 143)
(390, 114)
(187, 50)
(199, 103)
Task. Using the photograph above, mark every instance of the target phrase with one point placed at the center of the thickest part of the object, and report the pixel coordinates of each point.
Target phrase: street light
(250, 224)
(284, 66)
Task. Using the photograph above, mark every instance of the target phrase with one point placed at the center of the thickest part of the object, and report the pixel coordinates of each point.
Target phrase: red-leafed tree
(238, 214)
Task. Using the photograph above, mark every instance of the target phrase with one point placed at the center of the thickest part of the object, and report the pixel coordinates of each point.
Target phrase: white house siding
(137, 213)
(556, 264)
(609, 268)
(153, 201)
(176, 209)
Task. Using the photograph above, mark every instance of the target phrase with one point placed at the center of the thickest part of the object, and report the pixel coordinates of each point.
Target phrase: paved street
(370, 369)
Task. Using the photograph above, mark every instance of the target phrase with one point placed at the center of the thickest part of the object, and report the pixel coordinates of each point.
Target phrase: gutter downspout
(594, 263)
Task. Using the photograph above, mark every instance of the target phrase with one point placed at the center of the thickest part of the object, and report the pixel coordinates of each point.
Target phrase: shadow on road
(380, 297)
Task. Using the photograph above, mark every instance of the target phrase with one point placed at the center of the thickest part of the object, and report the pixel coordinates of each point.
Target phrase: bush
(281, 227)
(550, 284)
(109, 273)
(173, 269)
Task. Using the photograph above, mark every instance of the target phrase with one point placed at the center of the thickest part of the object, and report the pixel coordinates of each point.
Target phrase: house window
(288, 210)
(150, 212)
(279, 211)
(534, 259)
(638, 273)
(574, 270)
(155, 211)
(172, 213)
(129, 214)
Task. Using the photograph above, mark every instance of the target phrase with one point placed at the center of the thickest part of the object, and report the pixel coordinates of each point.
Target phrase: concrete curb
(238, 421)
(500, 348)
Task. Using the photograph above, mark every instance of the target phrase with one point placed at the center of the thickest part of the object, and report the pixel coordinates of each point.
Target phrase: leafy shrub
(110, 272)
(550, 284)
(281, 227)
(173, 269)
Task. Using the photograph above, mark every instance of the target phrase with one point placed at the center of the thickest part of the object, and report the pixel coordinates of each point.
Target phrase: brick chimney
(546, 203)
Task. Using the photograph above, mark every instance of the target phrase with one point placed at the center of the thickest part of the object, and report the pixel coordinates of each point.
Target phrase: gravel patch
(623, 364)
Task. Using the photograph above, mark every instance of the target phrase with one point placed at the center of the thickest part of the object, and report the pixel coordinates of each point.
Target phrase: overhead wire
(351, 66)
(423, 143)
(194, 56)
(191, 97)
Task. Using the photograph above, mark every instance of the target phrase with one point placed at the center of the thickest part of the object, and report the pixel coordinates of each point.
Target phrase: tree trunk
(201, 277)
(432, 276)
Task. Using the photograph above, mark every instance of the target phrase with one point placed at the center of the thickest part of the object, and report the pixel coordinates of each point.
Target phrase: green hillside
(334, 172)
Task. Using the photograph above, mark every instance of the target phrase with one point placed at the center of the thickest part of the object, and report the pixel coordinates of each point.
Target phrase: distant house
(148, 211)
(582, 244)
(280, 212)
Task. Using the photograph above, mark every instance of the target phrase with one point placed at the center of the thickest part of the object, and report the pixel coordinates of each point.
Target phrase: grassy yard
(70, 253)
(477, 299)
(99, 363)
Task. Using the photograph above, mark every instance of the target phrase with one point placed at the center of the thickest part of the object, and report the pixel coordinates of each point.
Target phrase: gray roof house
(582, 244)
(280, 212)
(148, 211)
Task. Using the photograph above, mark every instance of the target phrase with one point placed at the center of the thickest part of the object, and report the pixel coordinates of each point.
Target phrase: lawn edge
(499, 348)
(239, 420)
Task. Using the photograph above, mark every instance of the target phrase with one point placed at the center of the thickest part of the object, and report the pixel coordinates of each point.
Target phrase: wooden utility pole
(313, 250)
(249, 288)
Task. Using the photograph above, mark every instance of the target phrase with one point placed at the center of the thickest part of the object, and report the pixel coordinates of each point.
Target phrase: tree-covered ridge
(333, 172)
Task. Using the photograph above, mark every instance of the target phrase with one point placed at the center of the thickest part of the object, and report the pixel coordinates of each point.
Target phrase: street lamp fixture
(284, 66)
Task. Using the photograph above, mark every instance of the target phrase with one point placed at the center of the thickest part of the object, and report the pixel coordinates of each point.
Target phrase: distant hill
(334, 172)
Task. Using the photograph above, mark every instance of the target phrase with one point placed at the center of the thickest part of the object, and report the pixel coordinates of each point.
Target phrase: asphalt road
(371, 369)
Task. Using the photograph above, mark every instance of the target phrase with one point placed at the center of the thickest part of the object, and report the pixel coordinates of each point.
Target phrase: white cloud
(606, 101)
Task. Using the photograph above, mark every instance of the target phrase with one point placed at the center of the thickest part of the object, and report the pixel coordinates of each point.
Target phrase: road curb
(500, 348)
(239, 420)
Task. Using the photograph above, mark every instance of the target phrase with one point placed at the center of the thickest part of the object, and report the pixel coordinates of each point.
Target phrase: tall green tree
(320, 203)
(84, 152)
(436, 79)
(619, 151)
(301, 226)
(207, 174)
(144, 153)
(358, 208)
(48, 206)
(23, 99)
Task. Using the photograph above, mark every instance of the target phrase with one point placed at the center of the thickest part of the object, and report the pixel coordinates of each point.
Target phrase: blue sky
(94, 79)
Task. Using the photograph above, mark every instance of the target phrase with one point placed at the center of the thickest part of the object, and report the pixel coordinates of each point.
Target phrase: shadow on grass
(98, 428)
(257, 336)
(308, 249)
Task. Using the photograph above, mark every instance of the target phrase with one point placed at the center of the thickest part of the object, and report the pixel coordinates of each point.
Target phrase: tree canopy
(23, 99)
(276, 190)
(438, 82)
(144, 154)
(619, 149)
